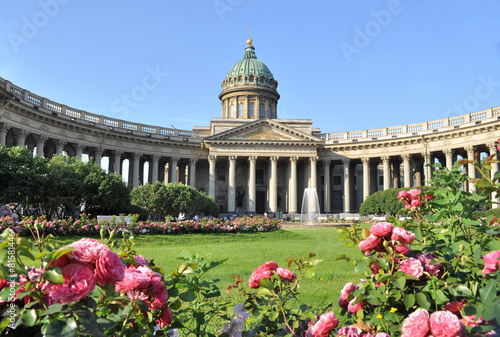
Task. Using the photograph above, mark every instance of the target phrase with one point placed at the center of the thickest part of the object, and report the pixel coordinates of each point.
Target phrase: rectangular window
(251, 109)
(231, 111)
(261, 110)
(336, 180)
(268, 112)
(240, 110)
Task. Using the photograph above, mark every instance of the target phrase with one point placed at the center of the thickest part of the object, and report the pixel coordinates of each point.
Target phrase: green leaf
(58, 328)
(188, 296)
(488, 293)
(273, 315)
(423, 300)
(399, 282)
(28, 317)
(409, 301)
(53, 309)
(54, 275)
(266, 283)
(264, 291)
(27, 254)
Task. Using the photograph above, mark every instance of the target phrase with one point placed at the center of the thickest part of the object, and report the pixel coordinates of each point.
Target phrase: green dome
(249, 66)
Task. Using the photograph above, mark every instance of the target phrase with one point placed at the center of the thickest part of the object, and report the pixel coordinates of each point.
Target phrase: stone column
(312, 181)
(428, 171)
(118, 162)
(211, 175)
(366, 177)
(154, 169)
(3, 133)
(471, 170)
(231, 185)
(326, 172)
(494, 169)
(407, 170)
(347, 185)
(251, 184)
(21, 137)
(79, 151)
(60, 148)
(449, 158)
(135, 177)
(97, 155)
(387, 172)
(173, 169)
(192, 172)
(40, 145)
(273, 186)
(292, 186)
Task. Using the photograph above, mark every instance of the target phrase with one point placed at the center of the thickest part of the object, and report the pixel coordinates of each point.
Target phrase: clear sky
(346, 65)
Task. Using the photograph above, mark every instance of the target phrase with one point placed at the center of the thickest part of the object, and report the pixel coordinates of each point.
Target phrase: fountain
(310, 206)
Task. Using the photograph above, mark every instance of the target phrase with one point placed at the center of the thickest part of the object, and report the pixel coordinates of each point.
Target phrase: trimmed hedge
(387, 202)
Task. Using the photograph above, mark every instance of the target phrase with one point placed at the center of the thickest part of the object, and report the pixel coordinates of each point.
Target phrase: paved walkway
(303, 224)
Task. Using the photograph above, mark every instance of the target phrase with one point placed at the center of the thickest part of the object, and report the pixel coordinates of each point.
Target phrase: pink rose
(403, 194)
(140, 260)
(286, 275)
(444, 324)
(166, 318)
(382, 229)
(109, 268)
(426, 260)
(402, 235)
(491, 262)
(159, 293)
(416, 203)
(355, 307)
(369, 243)
(268, 266)
(454, 307)
(255, 278)
(471, 320)
(87, 250)
(326, 323)
(382, 334)
(78, 283)
(412, 267)
(350, 331)
(402, 249)
(430, 196)
(416, 324)
(414, 194)
(133, 279)
(344, 294)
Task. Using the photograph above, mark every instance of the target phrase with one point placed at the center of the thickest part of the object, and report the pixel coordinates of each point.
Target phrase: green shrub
(386, 202)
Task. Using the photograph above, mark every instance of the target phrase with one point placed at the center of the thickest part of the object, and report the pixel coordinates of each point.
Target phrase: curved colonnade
(268, 173)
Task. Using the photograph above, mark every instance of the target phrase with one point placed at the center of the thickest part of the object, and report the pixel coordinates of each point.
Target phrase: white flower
(239, 309)
(235, 327)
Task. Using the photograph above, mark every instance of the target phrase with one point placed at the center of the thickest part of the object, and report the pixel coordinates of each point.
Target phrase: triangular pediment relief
(262, 130)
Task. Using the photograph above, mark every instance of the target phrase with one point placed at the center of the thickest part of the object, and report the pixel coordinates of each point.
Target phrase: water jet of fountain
(310, 206)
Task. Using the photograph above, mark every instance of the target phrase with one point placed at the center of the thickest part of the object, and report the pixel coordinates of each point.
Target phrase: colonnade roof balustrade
(198, 133)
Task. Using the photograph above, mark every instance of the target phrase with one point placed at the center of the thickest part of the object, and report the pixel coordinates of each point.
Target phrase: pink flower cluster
(381, 231)
(326, 323)
(491, 262)
(413, 198)
(344, 301)
(266, 270)
(354, 331)
(89, 262)
(439, 324)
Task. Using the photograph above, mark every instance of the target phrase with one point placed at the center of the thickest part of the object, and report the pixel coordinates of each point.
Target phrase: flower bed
(93, 227)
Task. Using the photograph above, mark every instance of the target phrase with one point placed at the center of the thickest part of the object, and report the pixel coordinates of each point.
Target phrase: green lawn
(245, 252)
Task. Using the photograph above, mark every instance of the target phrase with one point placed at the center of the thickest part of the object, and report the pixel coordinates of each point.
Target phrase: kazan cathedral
(249, 160)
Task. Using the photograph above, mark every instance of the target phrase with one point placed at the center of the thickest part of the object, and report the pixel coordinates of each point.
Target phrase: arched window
(240, 110)
(231, 111)
(251, 109)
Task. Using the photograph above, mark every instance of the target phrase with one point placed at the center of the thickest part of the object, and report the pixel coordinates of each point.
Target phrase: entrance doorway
(260, 202)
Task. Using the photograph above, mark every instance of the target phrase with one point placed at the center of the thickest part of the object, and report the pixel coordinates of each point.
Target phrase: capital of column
(385, 159)
(62, 142)
(233, 158)
(41, 138)
(156, 158)
(21, 133)
(346, 161)
(193, 161)
(405, 156)
(326, 161)
(294, 159)
(448, 152)
(252, 159)
(5, 127)
(136, 155)
(470, 150)
(365, 160)
(274, 159)
(313, 159)
(119, 153)
(79, 147)
(212, 158)
(492, 147)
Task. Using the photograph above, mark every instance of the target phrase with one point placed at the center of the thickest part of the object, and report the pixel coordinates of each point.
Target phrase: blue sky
(346, 65)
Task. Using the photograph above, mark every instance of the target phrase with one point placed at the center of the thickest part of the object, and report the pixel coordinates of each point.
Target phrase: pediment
(264, 130)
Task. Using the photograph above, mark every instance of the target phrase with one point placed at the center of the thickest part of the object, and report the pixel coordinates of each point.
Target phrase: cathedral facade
(248, 159)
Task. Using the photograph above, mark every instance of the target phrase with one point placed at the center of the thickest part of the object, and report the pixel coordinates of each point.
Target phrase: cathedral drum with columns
(248, 160)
